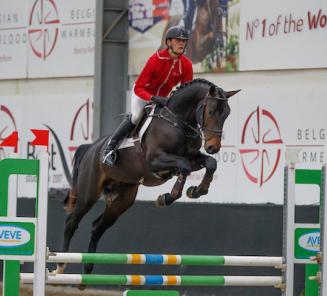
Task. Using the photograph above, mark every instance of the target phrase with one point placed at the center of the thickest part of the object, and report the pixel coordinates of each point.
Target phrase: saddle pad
(129, 142)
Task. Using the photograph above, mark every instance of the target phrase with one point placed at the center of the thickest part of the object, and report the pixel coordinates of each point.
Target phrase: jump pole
(162, 259)
(156, 280)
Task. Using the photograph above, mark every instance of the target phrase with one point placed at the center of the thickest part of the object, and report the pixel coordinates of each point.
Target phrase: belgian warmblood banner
(42, 38)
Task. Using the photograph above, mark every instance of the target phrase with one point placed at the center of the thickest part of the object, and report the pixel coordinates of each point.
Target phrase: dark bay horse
(171, 146)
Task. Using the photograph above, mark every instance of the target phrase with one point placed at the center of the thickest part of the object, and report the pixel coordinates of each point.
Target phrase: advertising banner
(69, 127)
(233, 35)
(262, 127)
(283, 34)
(13, 39)
(40, 38)
(17, 238)
(212, 25)
(61, 38)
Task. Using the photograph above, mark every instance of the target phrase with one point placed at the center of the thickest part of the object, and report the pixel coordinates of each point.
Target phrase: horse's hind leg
(117, 202)
(83, 205)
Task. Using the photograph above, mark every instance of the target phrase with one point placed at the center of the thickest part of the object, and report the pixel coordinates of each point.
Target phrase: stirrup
(110, 158)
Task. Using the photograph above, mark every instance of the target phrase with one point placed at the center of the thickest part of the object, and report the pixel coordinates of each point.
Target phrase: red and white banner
(263, 125)
(61, 38)
(46, 38)
(68, 128)
(283, 34)
(13, 39)
(233, 35)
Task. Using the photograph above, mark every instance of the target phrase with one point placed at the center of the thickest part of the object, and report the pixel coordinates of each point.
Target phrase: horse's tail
(81, 150)
(71, 198)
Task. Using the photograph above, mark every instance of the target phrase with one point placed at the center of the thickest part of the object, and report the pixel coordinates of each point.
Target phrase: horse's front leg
(164, 161)
(210, 164)
(168, 198)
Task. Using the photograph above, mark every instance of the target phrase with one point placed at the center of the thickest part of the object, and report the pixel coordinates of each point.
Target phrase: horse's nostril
(212, 149)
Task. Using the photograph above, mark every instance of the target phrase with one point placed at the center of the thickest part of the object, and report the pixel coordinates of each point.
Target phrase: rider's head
(176, 40)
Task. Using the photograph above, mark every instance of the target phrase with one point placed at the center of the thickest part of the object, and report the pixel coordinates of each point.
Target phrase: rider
(163, 71)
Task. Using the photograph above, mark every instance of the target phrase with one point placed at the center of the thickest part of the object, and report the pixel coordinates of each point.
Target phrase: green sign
(307, 242)
(17, 238)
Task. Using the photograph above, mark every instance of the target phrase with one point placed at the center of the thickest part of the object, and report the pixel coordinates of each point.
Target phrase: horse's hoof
(59, 270)
(161, 201)
(191, 192)
(81, 287)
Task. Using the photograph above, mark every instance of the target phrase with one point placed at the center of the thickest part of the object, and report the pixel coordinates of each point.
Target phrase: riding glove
(160, 100)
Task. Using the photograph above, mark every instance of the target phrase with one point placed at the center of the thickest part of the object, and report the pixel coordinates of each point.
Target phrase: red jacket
(161, 73)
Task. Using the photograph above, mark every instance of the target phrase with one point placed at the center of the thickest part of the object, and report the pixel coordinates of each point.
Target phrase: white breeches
(137, 107)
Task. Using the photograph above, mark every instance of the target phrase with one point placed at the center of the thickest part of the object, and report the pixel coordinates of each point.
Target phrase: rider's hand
(160, 100)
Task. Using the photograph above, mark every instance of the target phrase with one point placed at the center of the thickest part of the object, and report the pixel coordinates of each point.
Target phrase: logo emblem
(144, 14)
(80, 125)
(260, 142)
(43, 28)
(310, 241)
(7, 126)
(13, 236)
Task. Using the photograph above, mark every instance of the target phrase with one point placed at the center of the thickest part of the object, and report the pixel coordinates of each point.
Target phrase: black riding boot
(123, 129)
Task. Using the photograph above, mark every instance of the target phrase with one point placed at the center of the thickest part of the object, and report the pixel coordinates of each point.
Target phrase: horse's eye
(211, 113)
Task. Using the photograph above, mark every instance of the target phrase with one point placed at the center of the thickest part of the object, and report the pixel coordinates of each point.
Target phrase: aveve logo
(260, 146)
(43, 28)
(310, 241)
(13, 236)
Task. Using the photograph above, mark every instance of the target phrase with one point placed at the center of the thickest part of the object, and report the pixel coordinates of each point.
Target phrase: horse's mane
(191, 83)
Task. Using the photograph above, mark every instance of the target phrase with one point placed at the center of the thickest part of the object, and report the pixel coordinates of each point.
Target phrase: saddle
(147, 110)
(141, 126)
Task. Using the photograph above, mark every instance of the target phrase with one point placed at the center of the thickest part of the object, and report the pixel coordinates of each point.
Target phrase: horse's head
(212, 112)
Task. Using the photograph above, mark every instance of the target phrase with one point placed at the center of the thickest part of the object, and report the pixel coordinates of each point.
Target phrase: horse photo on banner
(213, 26)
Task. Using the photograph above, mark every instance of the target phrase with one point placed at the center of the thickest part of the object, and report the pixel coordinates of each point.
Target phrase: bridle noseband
(200, 114)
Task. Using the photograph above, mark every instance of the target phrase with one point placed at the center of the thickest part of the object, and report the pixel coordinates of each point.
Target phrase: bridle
(168, 115)
(200, 114)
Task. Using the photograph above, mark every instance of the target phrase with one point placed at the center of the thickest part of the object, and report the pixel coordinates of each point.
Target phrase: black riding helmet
(177, 32)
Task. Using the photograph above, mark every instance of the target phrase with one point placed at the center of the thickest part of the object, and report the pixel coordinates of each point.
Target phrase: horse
(207, 35)
(195, 112)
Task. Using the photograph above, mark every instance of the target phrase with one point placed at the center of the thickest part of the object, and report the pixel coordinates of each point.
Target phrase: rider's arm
(188, 71)
(143, 80)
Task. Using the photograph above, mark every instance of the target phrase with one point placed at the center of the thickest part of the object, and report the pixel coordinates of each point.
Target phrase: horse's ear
(231, 93)
(212, 90)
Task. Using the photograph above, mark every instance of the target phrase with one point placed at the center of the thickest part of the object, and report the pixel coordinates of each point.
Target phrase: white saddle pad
(129, 142)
